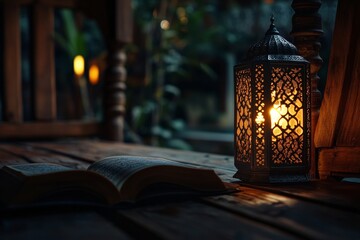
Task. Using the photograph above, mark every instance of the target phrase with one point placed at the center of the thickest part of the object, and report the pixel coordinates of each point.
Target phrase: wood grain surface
(314, 210)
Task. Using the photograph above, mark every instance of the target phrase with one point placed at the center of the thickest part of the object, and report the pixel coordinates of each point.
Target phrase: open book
(111, 180)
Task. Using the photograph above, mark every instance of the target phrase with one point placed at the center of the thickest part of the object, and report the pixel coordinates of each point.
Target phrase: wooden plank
(59, 224)
(334, 194)
(303, 211)
(339, 161)
(58, 3)
(53, 3)
(7, 158)
(341, 56)
(74, 148)
(44, 62)
(32, 130)
(12, 63)
(96, 150)
(35, 155)
(123, 21)
(349, 130)
(191, 220)
(93, 150)
(305, 219)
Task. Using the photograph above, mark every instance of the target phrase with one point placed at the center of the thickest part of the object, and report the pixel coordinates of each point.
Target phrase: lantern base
(265, 177)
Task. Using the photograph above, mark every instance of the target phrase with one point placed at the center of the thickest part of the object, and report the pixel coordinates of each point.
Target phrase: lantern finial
(272, 29)
(271, 44)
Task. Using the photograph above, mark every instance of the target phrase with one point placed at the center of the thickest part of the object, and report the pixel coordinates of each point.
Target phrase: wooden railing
(114, 18)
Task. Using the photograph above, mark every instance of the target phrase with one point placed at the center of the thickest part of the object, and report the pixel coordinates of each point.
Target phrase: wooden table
(315, 210)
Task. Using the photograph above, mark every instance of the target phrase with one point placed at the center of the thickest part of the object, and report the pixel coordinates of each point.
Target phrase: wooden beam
(44, 63)
(341, 57)
(38, 155)
(53, 3)
(32, 130)
(120, 19)
(339, 161)
(7, 158)
(349, 129)
(123, 21)
(12, 63)
(115, 19)
(307, 32)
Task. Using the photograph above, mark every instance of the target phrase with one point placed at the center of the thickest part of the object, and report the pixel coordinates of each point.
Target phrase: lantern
(272, 112)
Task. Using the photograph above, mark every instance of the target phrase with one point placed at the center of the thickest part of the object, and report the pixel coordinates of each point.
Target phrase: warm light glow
(276, 112)
(259, 118)
(79, 65)
(165, 24)
(94, 73)
(278, 121)
(275, 117)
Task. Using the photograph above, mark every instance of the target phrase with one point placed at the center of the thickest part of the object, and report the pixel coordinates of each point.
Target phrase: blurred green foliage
(72, 40)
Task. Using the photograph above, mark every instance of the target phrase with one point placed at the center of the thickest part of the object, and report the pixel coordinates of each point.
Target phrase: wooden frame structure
(114, 18)
(337, 136)
(335, 128)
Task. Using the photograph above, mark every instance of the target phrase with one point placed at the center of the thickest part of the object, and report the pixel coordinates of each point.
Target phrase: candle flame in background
(79, 65)
(94, 73)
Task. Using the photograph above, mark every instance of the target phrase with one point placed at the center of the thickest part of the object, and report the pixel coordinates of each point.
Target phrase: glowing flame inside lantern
(284, 117)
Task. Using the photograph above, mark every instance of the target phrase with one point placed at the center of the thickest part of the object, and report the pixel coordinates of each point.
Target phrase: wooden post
(114, 94)
(44, 62)
(120, 33)
(337, 136)
(307, 30)
(12, 62)
(115, 20)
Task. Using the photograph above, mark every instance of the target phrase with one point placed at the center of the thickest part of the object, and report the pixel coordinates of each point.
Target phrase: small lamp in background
(79, 68)
(272, 112)
(94, 73)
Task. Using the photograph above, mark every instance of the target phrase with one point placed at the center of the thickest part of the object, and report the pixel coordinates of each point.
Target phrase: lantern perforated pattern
(243, 115)
(260, 121)
(287, 115)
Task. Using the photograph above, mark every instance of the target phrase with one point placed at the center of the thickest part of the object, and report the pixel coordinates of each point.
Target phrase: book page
(46, 182)
(33, 169)
(118, 168)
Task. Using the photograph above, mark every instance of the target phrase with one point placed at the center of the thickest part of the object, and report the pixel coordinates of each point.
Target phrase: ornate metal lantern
(272, 112)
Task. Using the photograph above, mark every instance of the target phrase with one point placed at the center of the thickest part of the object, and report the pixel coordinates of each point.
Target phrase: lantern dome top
(272, 44)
